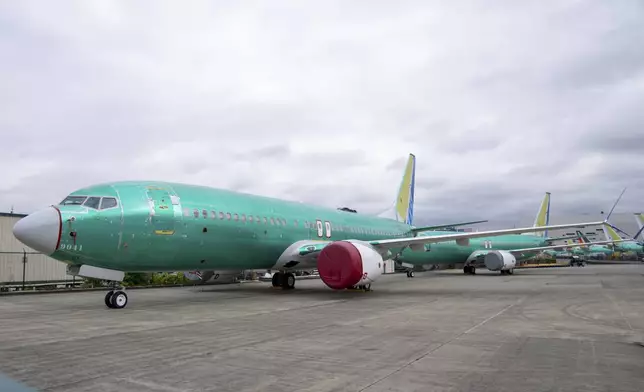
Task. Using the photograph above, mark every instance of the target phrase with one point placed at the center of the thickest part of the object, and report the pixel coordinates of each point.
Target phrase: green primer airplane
(105, 230)
(499, 253)
(625, 245)
(584, 247)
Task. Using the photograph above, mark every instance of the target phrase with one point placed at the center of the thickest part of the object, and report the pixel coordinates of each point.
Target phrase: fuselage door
(162, 214)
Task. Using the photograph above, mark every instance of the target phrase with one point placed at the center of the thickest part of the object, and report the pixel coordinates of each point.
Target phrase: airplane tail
(403, 209)
(582, 237)
(639, 218)
(543, 217)
(610, 233)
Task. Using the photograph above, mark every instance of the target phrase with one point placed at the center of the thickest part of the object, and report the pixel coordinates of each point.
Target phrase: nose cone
(40, 231)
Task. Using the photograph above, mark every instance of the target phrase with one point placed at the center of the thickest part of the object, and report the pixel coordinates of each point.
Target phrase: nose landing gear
(116, 298)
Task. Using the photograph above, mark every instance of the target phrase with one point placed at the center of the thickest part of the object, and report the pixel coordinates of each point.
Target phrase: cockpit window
(73, 201)
(92, 202)
(108, 202)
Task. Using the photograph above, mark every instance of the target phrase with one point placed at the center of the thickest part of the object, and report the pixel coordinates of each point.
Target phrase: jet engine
(211, 276)
(345, 264)
(499, 260)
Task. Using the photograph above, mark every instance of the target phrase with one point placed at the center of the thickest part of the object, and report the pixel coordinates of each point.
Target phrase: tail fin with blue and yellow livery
(403, 208)
(543, 217)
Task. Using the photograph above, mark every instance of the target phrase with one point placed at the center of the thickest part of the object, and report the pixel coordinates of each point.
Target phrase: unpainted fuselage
(158, 226)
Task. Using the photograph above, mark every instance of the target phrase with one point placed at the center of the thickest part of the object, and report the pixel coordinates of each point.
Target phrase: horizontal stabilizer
(428, 228)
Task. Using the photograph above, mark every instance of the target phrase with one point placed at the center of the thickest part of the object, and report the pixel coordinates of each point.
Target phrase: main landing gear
(469, 269)
(507, 272)
(410, 274)
(285, 280)
(116, 297)
(362, 287)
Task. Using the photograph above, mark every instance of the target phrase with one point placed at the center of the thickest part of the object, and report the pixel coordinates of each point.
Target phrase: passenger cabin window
(221, 215)
(250, 218)
(73, 201)
(108, 202)
(92, 202)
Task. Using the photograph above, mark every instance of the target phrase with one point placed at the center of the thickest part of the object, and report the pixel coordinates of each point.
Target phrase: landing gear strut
(116, 297)
(285, 280)
(469, 269)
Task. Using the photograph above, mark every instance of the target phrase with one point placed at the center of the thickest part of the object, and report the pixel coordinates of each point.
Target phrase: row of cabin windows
(281, 222)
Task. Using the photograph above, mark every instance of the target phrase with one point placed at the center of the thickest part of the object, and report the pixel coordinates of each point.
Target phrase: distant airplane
(105, 230)
(624, 246)
(497, 253)
(584, 247)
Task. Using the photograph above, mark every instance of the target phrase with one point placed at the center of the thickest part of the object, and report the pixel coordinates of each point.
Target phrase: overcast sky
(322, 102)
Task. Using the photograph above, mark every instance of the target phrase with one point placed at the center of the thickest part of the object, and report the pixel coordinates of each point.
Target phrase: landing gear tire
(108, 298)
(469, 269)
(410, 274)
(118, 300)
(276, 280)
(288, 281)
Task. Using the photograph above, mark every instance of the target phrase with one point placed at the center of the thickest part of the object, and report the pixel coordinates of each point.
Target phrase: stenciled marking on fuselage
(74, 247)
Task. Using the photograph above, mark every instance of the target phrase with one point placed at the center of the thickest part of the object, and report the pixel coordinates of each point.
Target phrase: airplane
(586, 247)
(625, 245)
(104, 230)
(496, 253)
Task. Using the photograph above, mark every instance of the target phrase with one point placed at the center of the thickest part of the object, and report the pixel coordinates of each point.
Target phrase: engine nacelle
(201, 277)
(344, 264)
(499, 260)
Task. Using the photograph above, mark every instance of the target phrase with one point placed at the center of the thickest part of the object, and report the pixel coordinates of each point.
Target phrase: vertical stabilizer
(403, 209)
(639, 218)
(610, 233)
(582, 238)
(543, 216)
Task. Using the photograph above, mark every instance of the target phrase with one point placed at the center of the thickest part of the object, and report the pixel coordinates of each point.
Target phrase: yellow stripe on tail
(405, 199)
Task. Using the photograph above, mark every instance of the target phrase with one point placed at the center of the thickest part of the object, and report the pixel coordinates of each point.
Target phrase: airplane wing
(427, 228)
(417, 243)
(303, 254)
(581, 245)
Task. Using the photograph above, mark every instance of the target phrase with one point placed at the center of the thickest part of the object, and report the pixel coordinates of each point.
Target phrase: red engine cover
(340, 265)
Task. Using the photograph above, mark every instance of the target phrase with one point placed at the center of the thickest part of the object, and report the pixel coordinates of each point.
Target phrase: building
(38, 267)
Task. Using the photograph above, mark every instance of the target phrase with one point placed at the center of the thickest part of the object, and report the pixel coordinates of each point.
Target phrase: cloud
(321, 102)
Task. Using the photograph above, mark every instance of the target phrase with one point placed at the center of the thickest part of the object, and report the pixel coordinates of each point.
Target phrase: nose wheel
(285, 280)
(116, 299)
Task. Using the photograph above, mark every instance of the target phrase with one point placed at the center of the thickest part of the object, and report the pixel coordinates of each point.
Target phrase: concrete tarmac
(559, 329)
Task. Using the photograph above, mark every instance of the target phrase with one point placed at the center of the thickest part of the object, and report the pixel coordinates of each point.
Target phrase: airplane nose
(41, 230)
